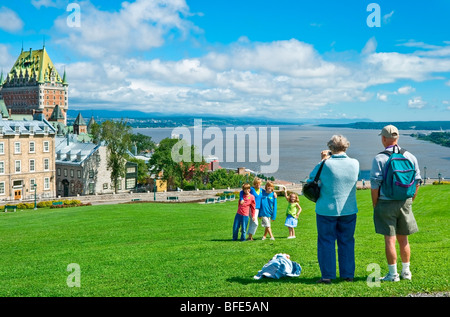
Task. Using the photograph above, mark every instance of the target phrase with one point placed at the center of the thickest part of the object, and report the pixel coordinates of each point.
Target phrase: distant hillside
(155, 119)
(409, 125)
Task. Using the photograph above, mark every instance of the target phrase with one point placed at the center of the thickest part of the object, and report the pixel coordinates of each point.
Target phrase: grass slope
(177, 250)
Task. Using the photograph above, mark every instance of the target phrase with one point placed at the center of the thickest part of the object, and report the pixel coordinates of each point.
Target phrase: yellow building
(27, 159)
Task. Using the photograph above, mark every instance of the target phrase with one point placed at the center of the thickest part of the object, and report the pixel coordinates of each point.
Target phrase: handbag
(312, 190)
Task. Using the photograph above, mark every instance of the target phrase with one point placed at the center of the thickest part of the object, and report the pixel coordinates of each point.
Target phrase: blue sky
(281, 59)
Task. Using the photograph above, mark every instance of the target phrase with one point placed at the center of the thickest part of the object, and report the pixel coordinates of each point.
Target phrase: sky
(283, 59)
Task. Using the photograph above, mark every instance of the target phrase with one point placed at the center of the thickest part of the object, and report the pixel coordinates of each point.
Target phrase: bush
(441, 183)
(44, 204)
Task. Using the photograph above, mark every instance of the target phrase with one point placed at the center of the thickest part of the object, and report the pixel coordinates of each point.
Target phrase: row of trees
(187, 174)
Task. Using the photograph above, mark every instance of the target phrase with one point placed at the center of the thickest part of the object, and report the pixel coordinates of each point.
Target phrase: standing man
(393, 216)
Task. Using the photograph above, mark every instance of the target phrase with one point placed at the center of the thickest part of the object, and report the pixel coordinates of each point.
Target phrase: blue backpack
(399, 176)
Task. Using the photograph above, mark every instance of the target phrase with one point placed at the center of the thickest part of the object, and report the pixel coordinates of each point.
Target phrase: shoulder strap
(388, 153)
(316, 179)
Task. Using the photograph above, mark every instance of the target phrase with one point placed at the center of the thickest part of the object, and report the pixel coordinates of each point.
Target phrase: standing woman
(336, 211)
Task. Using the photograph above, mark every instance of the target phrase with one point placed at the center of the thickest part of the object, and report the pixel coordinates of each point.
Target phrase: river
(300, 147)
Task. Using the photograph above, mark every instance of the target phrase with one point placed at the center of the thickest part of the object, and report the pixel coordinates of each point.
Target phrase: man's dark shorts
(392, 217)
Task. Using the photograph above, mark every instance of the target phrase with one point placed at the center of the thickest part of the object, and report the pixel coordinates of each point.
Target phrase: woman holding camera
(336, 211)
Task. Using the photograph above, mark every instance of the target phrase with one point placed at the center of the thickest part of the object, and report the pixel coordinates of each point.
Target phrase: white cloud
(370, 46)
(6, 59)
(10, 20)
(405, 90)
(47, 3)
(279, 78)
(389, 67)
(382, 97)
(448, 83)
(140, 25)
(416, 103)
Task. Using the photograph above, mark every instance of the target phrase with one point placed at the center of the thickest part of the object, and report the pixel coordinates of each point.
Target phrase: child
(256, 191)
(241, 218)
(292, 213)
(268, 211)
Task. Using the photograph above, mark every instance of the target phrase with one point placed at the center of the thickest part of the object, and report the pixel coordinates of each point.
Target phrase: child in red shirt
(246, 205)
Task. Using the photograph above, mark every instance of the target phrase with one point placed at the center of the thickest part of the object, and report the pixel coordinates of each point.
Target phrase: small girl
(292, 212)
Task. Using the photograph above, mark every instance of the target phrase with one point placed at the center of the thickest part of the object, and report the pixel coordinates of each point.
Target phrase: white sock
(392, 269)
(405, 267)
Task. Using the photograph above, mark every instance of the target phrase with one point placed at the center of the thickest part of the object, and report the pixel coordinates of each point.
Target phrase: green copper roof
(36, 64)
(79, 120)
(56, 114)
(3, 110)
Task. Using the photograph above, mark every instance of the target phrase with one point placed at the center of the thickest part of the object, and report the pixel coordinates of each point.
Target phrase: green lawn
(185, 250)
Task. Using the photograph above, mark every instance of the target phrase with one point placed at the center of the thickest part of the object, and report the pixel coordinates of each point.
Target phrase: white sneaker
(272, 238)
(391, 278)
(406, 275)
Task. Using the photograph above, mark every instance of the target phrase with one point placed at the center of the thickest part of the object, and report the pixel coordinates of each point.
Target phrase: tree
(142, 170)
(142, 142)
(117, 136)
(175, 172)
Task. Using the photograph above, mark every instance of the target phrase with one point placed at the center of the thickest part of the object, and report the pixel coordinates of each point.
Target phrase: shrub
(44, 204)
(441, 183)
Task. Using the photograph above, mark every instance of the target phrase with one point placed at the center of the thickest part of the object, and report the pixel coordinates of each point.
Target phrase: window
(2, 148)
(105, 185)
(32, 147)
(58, 171)
(32, 182)
(91, 173)
(65, 172)
(71, 173)
(131, 183)
(2, 167)
(18, 166)
(46, 164)
(131, 170)
(46, 183)
(46, 146)
(91, 188)
(32, 166)
(16, 147)
(79, 174)
(2, 188)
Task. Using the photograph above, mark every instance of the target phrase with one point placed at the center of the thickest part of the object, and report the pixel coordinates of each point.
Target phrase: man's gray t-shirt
(378, 163)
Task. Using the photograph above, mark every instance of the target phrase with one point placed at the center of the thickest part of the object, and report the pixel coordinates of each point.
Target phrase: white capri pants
(253, 225)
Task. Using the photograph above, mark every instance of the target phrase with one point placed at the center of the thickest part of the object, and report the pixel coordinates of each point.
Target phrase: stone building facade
(27, 159)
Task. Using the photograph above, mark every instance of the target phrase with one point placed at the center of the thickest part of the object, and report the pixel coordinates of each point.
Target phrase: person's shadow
(286, 279)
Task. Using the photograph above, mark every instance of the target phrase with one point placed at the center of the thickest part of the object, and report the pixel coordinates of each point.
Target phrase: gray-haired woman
(336, 210)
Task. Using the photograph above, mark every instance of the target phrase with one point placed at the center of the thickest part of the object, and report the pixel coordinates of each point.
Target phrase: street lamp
(424, 175)
(439, 176)
(35, 205)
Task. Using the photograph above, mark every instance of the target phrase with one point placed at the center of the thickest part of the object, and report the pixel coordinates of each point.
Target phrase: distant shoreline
(406, 125)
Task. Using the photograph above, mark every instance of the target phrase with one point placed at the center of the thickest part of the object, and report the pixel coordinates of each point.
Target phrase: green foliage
(142, 142)
(175, 172)
(117, 135)
(223, 178)
(441, 138)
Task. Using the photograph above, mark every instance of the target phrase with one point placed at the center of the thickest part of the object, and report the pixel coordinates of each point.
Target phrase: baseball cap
(390, 131)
